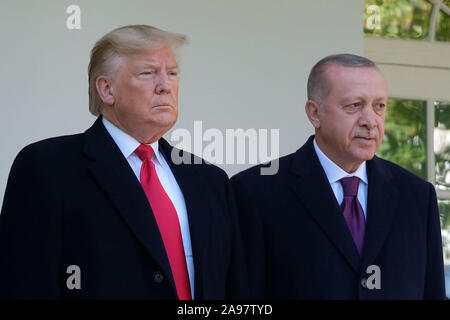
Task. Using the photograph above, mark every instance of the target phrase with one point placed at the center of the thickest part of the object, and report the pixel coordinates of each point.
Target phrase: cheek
(348, 128)
(380, 126)
(125, 95)
(126, 103)
(339, 131)
(175, 92)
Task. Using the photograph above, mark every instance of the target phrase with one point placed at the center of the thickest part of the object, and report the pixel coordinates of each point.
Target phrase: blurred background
(245, 66)
(410, 41)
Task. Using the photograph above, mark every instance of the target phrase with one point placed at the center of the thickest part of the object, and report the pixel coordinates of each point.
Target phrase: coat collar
(311, 186)
(382, 206)
(113, 174)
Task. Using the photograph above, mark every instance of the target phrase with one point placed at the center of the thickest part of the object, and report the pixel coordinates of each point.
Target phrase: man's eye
(355, 105)
(173, 73)
(380, 105)
(146, 73)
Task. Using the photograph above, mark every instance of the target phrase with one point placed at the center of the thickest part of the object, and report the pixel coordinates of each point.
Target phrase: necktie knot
(144, 152)
(350, 186)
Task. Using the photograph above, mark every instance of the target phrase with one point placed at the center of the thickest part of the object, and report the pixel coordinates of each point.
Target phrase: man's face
(352, 116)
(145, 91)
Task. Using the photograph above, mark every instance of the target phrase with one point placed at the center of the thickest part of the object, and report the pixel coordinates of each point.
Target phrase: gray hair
(318, 86)
(107, 53)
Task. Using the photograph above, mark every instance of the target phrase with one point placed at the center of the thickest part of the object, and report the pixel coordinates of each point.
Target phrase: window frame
(409, 66)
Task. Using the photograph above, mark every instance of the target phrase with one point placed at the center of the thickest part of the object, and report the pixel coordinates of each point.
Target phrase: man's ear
(313, 113)
(104, 89)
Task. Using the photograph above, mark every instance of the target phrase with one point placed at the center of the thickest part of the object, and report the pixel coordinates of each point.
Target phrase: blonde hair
(107, 53)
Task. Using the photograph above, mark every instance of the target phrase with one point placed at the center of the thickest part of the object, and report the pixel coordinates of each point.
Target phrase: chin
(364, 155)
(367, 157)
(163, 118)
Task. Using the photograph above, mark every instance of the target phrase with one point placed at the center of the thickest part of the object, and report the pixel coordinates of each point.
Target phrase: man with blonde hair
(107, 214)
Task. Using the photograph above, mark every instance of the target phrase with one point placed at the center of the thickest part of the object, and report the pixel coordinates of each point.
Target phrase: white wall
(245, 66)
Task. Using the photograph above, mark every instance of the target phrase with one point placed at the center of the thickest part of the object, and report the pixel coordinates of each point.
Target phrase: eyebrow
(353, 98)
(152, 65)
(350, 99)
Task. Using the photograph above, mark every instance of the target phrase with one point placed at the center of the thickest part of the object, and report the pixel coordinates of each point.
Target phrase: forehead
(365, 80)
(153, 56)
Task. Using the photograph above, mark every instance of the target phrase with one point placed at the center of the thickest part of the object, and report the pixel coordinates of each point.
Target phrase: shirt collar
(334, 172)
(126, 143)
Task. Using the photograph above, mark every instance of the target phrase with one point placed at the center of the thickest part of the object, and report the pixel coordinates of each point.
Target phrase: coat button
(364, 283)
(158, 277)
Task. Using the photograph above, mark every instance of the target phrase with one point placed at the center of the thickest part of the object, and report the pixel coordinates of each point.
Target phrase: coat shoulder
(282, 165)
(51, 148)
(254, 179)
(403, 176)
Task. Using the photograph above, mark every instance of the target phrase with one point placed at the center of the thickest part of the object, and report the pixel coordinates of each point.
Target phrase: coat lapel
(311, 186)
(381, 208)
(196, 196)
(114, 175)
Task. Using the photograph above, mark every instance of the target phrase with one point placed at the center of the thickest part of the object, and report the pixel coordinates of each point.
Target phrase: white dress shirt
(127, 144)
(335, 173)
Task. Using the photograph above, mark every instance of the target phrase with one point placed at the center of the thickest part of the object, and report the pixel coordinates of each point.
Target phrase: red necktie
(352, 211)
(167, 220)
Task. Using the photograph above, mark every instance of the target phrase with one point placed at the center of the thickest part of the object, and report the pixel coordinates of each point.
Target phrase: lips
(163, 105)
(365, 140)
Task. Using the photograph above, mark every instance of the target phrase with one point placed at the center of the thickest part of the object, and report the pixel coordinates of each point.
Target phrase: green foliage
(405, 141)
(442, 115)
(405, 135)
(444, 210)
(442, 157)
(405, 19)
(443, 25)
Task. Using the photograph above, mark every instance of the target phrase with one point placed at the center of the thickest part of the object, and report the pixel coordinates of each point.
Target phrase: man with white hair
(107, 214)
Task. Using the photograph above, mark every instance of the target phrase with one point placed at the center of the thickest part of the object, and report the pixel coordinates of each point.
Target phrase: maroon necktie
(352, 211)
(167, 220)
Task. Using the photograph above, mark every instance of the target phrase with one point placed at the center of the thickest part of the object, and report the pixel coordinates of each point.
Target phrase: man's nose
(163, 85)
(368, 117)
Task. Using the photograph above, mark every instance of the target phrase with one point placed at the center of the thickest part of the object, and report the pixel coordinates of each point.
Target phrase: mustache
(365, 133)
